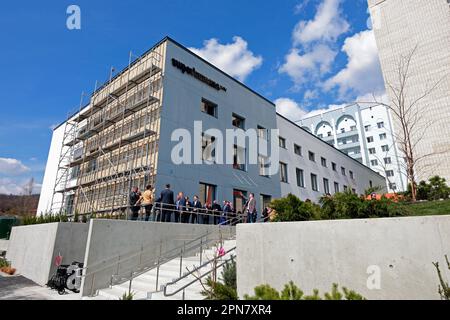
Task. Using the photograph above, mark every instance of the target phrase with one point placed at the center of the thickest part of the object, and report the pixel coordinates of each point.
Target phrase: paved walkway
(20, 288)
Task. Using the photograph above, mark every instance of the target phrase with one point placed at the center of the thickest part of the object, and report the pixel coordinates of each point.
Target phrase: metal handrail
(228, 222)
(161, 259)
(181, 249)
(135, 254)
(178, 252)
(198, 277)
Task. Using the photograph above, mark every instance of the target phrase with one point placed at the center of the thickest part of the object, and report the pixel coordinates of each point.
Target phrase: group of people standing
(181, 209)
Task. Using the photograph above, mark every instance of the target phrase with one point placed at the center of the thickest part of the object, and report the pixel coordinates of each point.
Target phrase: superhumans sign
(192, 72)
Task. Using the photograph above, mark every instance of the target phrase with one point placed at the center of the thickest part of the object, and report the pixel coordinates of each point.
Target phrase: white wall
(32, 249)
(45, 199)
(318, 254)
(294, 135)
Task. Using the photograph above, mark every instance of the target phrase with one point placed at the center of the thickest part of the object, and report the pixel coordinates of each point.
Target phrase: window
(208, 148)
(351, 175)
(345, 188)
(92, 166)
(297, 150)
(209, 107)
(263, 166)
(343, 171)
(354, 191)
(312, 156)
(314, 185)
(392, 186)
(387, 160)
(239, 158)
(342, 130)
(333, 166)
(383, 136)
(370, 139)
(380, 125)
(238, 121)
(370, 184)
(283, 172)
(389, 173)
(326, 186)
(324, 162)
(372, 151)
(265, 201)
(373, 163)
(75, 172)
(262, 133)
(207, 193)
(385, 148)
(320, 136)
(353, 128)
(282, 142)
(336, 187)
(300, 178)
(367, 128)
(329, 134)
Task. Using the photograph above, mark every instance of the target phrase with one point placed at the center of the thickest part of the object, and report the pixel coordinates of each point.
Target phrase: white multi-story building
(131, 131)
(366, 134)
(421, 27)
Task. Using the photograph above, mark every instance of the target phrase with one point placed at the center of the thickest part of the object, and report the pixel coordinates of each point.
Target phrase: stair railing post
(201, 250)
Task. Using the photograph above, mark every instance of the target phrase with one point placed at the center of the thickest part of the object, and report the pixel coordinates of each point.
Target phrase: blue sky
(303, 55)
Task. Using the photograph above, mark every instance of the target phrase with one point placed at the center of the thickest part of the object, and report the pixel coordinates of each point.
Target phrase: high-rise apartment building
(424, 26)
(366, 134)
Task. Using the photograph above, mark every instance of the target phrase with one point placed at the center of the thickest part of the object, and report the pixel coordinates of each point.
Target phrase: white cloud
(290, 109)
(8, 186)
(314, 45)
(17, 187)
(323, 110)
(12, 166)
(233, 58)
(310, 95)
(362, 73)
(328, 24)
(312, 64)
(300, 6)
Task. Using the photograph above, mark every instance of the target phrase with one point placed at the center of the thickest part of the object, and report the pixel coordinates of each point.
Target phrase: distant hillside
(18, 205)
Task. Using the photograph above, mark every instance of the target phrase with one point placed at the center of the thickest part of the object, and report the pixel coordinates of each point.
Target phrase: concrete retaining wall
(347, 252)
(111, 240)
(32, 249)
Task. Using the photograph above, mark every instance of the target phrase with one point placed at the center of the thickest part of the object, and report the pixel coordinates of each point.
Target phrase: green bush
(435, 189)
(128, 296)
(4, 263)
(292, 292)
(346, 205)
(45, 218)
(225, 290)
(292, 208)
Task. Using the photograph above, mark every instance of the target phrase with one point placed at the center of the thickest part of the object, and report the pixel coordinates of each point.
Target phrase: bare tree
(409, 117)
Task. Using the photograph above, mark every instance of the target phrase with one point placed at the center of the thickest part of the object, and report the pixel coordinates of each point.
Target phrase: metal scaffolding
(112, 144)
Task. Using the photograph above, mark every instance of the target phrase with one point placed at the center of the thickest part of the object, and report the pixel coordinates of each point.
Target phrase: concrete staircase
(144, 286)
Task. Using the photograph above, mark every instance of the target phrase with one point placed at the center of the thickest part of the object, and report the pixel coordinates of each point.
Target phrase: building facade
(165, 119)
(366, 134)
(422, 27)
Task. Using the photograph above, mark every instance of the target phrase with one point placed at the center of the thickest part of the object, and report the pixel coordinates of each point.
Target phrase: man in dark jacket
(167, 204)
(196, 209)
(216, 209)
(135, 195)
